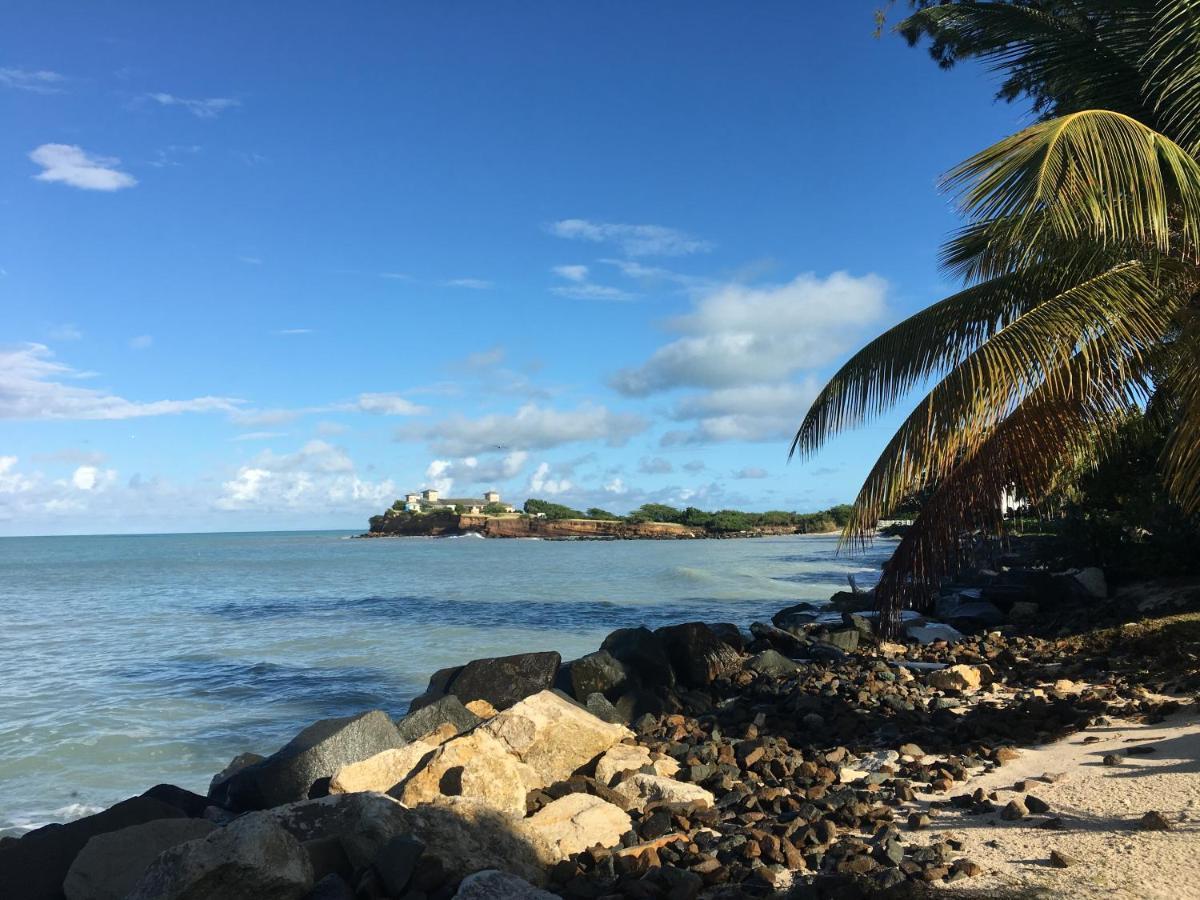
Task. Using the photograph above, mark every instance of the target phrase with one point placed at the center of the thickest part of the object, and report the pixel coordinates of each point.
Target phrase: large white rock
(476, 766)
(960, 678)
(575, 822)
(111, 864)
(381, 772)
(641, 789)
(253, 858)
(618, 760)
(553, 736)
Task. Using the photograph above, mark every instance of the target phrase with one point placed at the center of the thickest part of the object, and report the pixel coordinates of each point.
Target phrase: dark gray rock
(845, 639)
(644, 655)
(302, 768)
(192, 805)
(239, 762)
(396, 863)
(505, 680)
(600, 707)
(769, 662)
(446, 710)
(492, 884)
(331, 887)
(697, 655)
(34, 867)
(795, 618)
(785, 642)
(111, 864)
(730, 634)
(439, 684)
(598, 673)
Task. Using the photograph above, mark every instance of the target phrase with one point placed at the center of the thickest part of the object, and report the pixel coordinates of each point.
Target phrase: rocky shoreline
(801, 757)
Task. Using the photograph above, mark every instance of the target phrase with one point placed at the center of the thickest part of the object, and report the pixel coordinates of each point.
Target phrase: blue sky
(269, 265)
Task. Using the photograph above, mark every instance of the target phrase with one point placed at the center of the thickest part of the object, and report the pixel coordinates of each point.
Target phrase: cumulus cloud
(69, 164)
(757, 412)
(543, 484)
(532, 427)
(92, 478)
(473, 470)
(634, 240)
(32, 387)
(35, 81)
(655, 466)
(741, 335)
(208, 108)
(317, 476)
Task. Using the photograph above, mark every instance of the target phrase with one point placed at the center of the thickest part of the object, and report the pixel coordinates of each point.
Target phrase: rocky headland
(800, 757)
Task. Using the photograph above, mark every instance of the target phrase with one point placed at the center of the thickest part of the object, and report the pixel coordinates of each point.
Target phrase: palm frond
(1172, 65)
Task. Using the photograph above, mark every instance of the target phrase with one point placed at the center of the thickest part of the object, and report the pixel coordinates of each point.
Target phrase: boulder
(795, 618)
(602, 708)
(852, 601)
(300, 769)
(482, 708)
(1092, 583)
(553, 737)
(576, 822)
(504, 680)
(239, 762)
(436, 723)
(396, 863)
(772, 663)
(493, 884)
(111, 864)
(618, 760)
(1024, 611)
(251, 859)
(383, 771)
(934, 631)
(598, 673)
(185, 801)
(844, 639)
(439, 685)
(476, 766)
(730, 634)
(644, 655)
(34, 867)
(697, 655)
(640, 790)
(783, 641)
(959, 679)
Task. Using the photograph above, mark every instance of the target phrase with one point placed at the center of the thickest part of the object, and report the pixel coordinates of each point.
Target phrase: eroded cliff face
(439, 523)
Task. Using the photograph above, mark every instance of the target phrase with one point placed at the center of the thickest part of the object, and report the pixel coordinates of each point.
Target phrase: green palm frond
(1172, 65)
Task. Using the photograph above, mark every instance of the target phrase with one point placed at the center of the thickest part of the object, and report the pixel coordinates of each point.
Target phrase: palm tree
(1081, 266)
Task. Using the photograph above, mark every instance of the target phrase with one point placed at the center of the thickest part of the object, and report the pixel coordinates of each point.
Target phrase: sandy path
(1100, 807)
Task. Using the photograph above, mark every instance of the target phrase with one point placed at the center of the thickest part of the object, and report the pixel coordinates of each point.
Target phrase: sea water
(132, 660)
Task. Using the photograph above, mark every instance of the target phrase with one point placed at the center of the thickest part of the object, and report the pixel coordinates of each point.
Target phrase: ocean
(132, 660)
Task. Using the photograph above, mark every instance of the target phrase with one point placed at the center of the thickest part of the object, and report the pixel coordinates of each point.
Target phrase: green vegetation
(1080, 259)
(724, 521)
(552, 511)
(596, 513)
(495, 509)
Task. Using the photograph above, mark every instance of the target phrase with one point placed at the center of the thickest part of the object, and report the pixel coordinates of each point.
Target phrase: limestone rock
(438, 722)
(493, 884)
(251, 859)
(958, 678)
(618, 760)
(552, 736)
(575, 822)
(476, 766)
(482, 708)
(598, 673)
(697, 655)
(381, 772)
(296, 771)
(110, 864)
(640, 789)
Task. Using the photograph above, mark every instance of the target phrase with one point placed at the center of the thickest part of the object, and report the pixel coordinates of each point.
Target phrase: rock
(505, 680)
(1023, 611)
(436, 723)
(495, 885)
(1061, 860)
(396, 862)
(552, 736)
(239, 762)
(794, 618)
(34, 867)
(465, 836)
(844, 639)
(296, 771)
(475, 766)
(1092, 582)
(641, 789)
(576, 822)
(598, 673)
(644, 655)
(1112, 759)
(968, 867)
(934, 631)
(965, 606)
(730, 634)
(1036, 805)
(331, 887)
(383, 771)
(110, 864)
(482, 708)
(191, 805)
(911, 750)
(618, 760)
(1014, 810)
(772, 663)
(1154, 821)
(852, 601)
(251, 859)
(697, 655)
(960, 679)
(439, 684)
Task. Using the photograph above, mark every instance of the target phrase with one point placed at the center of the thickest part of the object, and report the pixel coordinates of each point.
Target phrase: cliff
(443, 523)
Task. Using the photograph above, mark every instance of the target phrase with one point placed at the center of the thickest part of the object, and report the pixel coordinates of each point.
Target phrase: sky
(272, 265)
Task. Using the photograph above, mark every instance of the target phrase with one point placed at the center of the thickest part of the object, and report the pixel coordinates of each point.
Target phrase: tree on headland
(1080, 259)
(551, 511)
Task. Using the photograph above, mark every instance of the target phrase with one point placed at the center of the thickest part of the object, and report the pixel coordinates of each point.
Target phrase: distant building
(431, 499)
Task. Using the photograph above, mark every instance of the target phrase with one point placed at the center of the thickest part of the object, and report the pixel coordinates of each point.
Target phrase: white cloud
(757, 412)
(474, 284)
(437, 477)
(571, 273)
(36, 81)
(66, 332)
(634, 240)
(751, 472)
(389, 405)
(616, 485)
(91, 478)
(532, 427)
(740, 335)
(485, 359)
(31, 387)
(287, 331)
(395, 276)
(259, 435)
(472, 470)
(694, 466)
(328, 428)
(141, 342)
(318, 476)
(655, 466)
(542, 485)
(208, 108)
(12, 481)
(589, 291)
(69, 164)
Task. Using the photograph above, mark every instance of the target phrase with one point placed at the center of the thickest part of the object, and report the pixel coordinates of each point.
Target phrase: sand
(1100, 806)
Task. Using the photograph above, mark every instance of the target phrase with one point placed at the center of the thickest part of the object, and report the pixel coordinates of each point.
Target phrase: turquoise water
(130, 660)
